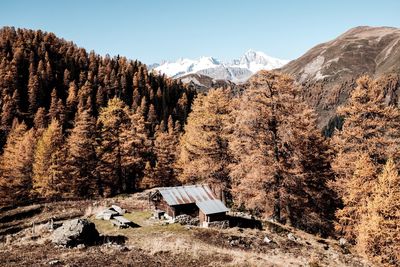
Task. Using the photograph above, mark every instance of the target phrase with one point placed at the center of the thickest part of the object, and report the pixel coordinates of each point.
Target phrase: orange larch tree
(370, 135)
(281, 161)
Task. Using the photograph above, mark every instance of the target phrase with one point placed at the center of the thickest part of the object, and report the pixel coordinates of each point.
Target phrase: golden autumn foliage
(81, 157)
(165, 144)
(114, 124)
(379, 228)
(16, 164)
(47, 173)
(355, 198)
(54, 79)
(281, 161)
(370, 135)
(204, 146)
(123, 146)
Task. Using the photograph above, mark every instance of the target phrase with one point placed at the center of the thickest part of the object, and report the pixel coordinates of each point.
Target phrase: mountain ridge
(237, 70)
(359, 50)
(328, 71)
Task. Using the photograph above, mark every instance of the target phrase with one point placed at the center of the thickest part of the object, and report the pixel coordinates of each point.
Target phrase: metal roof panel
(186, 194)
(212, 206)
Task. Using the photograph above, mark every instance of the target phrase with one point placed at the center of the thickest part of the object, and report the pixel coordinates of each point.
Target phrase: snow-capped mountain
(239, 70)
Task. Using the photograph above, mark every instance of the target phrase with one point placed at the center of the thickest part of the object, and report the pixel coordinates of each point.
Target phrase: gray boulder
(75, 232)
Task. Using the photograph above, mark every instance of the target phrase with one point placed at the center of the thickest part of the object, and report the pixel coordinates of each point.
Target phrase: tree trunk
(276, 216)
(289, 215)
(118, 168)
(277, 177)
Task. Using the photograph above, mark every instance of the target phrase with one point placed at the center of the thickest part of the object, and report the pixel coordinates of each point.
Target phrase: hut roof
(212, 206)
(201, 195)
(186, 194)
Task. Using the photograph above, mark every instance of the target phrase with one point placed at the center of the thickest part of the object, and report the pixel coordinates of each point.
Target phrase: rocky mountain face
(329, 70)
(238, 70)
(202, 83)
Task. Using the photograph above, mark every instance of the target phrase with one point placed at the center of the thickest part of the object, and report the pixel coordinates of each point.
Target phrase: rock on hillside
(329, 70)
(75, 232)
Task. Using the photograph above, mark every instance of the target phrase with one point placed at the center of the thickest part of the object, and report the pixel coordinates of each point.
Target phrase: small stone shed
(194, 200)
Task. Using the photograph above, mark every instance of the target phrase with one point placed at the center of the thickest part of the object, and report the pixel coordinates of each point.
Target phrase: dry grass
(139, 217)
(154, 244)
(199, 243)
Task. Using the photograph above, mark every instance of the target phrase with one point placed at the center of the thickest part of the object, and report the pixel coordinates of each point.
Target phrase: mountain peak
(238, 70)
(256, 61)
(251, 52)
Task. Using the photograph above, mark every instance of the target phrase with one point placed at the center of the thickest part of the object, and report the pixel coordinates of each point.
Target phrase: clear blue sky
(152, 30)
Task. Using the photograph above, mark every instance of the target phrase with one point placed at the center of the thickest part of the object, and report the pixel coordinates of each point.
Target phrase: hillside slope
(155, 244)
(329, 70)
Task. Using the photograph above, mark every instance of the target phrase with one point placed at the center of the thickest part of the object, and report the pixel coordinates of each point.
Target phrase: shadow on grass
(244, 222)
(134, 225)
(112, 239)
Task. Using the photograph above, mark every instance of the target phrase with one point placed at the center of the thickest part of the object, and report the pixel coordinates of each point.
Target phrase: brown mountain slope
(329, 70)
(202, 83)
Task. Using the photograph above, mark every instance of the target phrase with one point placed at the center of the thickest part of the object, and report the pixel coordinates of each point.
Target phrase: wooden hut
(194, 200)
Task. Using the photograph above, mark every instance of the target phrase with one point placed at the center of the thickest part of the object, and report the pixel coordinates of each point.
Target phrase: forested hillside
(77, 124)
